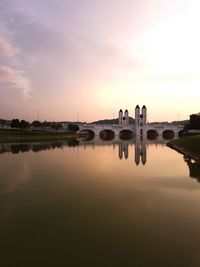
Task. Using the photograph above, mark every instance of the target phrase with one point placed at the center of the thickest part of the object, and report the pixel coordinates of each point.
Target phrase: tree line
(23, 124)
(194, 122)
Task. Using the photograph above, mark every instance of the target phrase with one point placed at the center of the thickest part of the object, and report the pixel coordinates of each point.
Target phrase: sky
(86, 59)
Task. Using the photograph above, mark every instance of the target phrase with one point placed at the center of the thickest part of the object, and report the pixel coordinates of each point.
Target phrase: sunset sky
(94, 57)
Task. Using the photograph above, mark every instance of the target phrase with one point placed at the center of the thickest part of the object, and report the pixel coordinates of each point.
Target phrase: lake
(98, 203)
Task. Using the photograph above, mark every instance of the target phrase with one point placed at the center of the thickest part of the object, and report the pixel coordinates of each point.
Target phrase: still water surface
(98, 204)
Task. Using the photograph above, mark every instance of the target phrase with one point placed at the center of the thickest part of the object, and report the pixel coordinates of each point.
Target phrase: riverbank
(188, 146)
(7, 136)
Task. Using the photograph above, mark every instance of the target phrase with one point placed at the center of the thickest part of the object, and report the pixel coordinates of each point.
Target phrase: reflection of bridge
(140, 128)
(140, 152)
(138, 143)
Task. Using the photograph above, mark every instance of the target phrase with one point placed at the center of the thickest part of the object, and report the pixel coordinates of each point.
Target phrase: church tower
(126, 116)
(137, 115)
(140, 150)
(137, 119)
(144, 115)
(140, 120)
(120, 117)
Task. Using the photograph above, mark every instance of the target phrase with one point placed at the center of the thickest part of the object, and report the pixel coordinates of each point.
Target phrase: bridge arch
(152, 134)
(88, 134)
(180, 133)
(107, 134)
(126, 134)
(168, 134)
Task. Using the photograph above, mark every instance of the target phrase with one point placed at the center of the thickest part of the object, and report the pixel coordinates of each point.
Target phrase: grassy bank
(187, 146)
(191, 144)
(28, 136)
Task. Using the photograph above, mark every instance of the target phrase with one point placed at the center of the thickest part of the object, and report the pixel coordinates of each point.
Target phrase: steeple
(144, 115)
(120, 117)
(137, 115)
(126, 116)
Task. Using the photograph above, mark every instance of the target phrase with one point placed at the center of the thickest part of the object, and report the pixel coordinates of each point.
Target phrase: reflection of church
(141, 130)
(123, 150)
(140, 150)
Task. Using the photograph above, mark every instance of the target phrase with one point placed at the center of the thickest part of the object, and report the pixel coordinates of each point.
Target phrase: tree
(56, 126)
(24, 124)
(36, 124)
(15, 123)
(194, 121)
(73, 127)
(46, 124)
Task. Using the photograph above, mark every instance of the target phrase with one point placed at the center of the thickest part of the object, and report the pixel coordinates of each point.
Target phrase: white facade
(140, 128)
(123, 117)
(141, 120)
(126, 117)
(120, 117)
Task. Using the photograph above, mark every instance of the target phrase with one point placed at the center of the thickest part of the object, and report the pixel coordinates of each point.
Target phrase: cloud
(12, 77)
(6, 73)
(6, 48)
(15, 78)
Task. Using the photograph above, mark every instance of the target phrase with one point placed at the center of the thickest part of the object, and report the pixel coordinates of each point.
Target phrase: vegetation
(37, 124)
(24, 131)
(194, 122)
(30, 136)
(39, 146)
(183, 122)
(56, 126)
(191, 143)
(15, 123)
(73, 127)
(194, 168)
(22, 124)
(112, 121)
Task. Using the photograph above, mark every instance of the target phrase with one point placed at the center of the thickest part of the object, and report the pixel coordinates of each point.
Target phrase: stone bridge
(140, 128)
(97, 129)
(161, 129)
(118, 130)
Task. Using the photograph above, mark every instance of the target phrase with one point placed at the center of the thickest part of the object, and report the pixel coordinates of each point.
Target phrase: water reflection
(136, 148)
(123, 150)
(194, 169)
(138, 144)
(140, 151)
(16, 148)
(81, 204)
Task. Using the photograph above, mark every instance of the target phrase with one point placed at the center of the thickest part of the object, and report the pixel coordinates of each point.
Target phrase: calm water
(98, 204)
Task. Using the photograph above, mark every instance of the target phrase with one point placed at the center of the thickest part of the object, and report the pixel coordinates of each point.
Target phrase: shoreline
(184, 151)
(9, 137)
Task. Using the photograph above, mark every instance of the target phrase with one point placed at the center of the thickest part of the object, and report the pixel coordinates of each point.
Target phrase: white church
(140, 119)
(140, 128)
